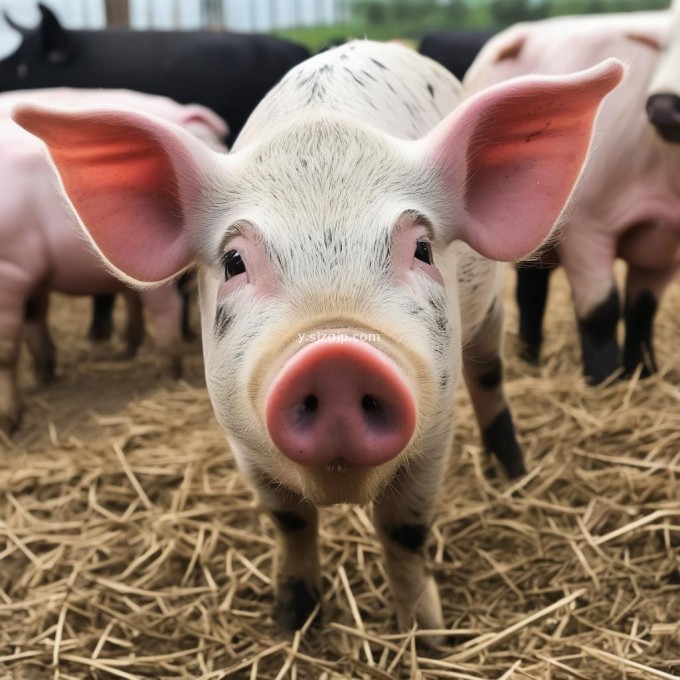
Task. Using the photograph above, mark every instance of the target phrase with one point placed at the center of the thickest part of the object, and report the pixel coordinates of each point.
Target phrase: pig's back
(564, 45)
(386, 85)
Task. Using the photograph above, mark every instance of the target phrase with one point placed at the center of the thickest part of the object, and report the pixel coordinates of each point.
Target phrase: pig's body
(42, 249)
(629, 200)
(322, 221)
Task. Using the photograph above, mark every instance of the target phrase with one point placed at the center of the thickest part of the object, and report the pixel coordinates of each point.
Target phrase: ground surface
(130, 547)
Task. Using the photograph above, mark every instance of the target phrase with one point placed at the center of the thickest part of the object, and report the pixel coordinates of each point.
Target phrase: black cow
(227, 72)
(455, 50)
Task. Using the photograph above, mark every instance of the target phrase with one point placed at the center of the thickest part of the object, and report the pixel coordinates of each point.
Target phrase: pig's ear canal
(132, 179)
(509, 158)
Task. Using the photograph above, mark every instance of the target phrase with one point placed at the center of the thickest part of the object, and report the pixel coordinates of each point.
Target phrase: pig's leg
(134, 329)
(165, 310)
(644, 288)
(402, 518)
(13, 293)
(38, 338)
(101, 327)
(184, 286)
(483, 372)
(590, 270)
(297, 573)
(532, 292)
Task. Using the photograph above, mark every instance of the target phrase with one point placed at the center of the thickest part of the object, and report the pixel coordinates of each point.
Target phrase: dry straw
(130, 547)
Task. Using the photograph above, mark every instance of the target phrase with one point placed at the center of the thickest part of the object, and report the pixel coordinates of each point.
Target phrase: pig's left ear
(137, 184)
(509, 158)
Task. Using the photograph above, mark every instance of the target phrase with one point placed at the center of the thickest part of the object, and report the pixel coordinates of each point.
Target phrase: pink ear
(131, 179)
(510, 157)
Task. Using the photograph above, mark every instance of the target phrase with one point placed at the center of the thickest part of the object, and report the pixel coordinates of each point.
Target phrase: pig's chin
(340, 483)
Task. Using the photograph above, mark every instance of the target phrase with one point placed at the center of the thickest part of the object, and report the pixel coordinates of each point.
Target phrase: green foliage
(410, 19)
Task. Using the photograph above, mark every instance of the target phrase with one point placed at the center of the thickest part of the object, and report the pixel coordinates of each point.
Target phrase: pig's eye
(233, 264)
(423, 251)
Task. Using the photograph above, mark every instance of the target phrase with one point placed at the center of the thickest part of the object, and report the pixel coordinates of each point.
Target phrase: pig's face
(311, 250)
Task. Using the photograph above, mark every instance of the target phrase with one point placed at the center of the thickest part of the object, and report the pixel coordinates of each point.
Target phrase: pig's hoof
(295, 602)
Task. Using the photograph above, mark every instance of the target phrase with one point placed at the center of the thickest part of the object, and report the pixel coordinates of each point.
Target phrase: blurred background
(312, 22)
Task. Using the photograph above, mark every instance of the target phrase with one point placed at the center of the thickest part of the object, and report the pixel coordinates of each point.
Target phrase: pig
(346, 253)
(628, 203)
(43, 250)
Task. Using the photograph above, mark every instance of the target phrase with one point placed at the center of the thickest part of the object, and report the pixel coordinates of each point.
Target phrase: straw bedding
(130, 547)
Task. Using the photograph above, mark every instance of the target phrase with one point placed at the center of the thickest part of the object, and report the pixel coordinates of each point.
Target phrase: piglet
(43, 250)
(346, 255)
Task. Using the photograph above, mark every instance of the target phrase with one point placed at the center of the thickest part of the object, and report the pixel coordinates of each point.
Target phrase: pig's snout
(663, 111)
(340, 404)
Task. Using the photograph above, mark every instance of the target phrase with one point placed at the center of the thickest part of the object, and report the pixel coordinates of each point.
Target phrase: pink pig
(42, 249)
(628, 203)
(345, 258)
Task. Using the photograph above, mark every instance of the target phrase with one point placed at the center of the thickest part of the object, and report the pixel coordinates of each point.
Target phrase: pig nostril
(370, 404)
(310, 403)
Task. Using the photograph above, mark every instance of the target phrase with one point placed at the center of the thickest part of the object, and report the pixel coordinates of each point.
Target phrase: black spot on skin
(500, 439)
(223, 319)
(442, 322)
(412, 537)
(356, 79)
(639, 346)
(598, 339)
(369, 76)
(295, 602)
(288, 520)
(430, 89)
(378, 63)
(492, 376)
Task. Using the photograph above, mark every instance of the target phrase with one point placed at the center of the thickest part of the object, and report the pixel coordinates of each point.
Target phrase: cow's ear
(140, 186)
(55, 38)
(509, 157)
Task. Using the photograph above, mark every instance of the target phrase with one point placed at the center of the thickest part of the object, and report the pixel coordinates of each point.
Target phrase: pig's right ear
(507, 160)
(133, 180)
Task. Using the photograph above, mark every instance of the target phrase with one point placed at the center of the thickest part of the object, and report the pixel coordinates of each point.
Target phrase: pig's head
(331, 348)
